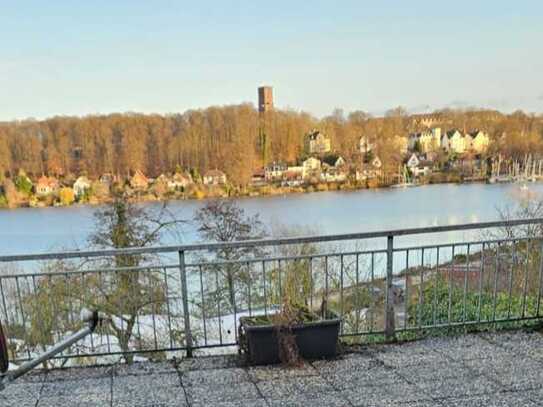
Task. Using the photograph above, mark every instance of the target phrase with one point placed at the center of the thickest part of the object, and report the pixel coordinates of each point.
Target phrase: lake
(34, 230)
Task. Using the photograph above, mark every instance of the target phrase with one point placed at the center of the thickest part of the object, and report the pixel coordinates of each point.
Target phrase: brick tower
(265, 99)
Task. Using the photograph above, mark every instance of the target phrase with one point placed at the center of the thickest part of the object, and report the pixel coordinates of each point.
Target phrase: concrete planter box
(315, 340)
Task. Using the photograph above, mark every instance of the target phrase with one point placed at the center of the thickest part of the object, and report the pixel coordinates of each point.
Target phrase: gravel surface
(499, 369)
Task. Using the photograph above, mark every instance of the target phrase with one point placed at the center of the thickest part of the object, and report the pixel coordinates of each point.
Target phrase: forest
(236, 139)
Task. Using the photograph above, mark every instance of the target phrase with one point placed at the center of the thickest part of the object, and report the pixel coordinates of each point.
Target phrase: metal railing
(190, 297)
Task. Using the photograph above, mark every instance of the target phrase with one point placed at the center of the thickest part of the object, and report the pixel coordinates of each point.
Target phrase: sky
(96, 57)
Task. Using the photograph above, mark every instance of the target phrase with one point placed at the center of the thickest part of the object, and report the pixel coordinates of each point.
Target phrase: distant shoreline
(219, 192)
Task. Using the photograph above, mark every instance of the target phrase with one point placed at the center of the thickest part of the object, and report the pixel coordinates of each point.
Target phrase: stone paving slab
(500, 369)
(24, 394)
(389, 394)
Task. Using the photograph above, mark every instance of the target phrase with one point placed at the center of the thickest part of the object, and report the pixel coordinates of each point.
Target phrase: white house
(365, 145)
(81, 185)
(479, 141)
(311, 167)
(214, 177)
(46, 186)
(340, 162)
(453, 141)
(179, 181)
(317, 143)
(413, 161)
(369, 170)
(417, 166)
(428, 140)
(274, 171)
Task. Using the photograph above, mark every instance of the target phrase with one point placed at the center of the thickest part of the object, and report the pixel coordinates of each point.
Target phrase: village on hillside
(396, 150)
(425, 153)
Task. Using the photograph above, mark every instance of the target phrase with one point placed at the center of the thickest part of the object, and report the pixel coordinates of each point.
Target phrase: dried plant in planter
(294, 332)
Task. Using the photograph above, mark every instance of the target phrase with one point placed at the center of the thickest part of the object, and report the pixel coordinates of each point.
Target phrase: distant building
(427, 120)
(413, 161)
(453, 141)
(258, 178)
(428, 140)
(335, 173)
(479, 141)
(369, 169)
(275, 171)
(265, 99)
(81, 185)
(365, 145)
(340, 162)
(311, 168)
(418, 166)
(293, 176)
(214, 177)
(179, 181)
(46, 186)
(139, 181)
(317, 143)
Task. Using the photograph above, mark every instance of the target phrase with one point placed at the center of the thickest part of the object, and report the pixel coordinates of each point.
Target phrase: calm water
(32, 230)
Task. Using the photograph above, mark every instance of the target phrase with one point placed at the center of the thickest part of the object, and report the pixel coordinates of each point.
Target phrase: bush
(23, 184)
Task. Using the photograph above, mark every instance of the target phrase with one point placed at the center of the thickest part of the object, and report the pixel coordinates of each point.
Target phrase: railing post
(184, 293)
(389, 295)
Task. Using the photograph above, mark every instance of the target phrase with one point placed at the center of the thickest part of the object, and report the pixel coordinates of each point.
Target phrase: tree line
(235, 139)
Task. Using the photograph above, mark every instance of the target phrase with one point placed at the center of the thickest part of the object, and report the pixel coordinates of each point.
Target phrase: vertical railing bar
(466, 272)
(42, 327)
(235, 309)
(153, 308)
(311, 283)
(71, 312)
(481, 271)
(406, 301)
(341, 310)
(185, 300)
(451, 267)
(436, 281)
(86, 294)
(249, 298)
(4, 305)
(525, 282)
(202, 296)
(264, 287)
(55, 310)
(510, 289)
(357, 285)
(170, 334)
(326, 279)
(279, 280)
(421, 289)
(389, 295)
(540, 277)
(372, 276)
(495, 296)
(22, 314)
(101, 279)
(219, 315)
(121, 299)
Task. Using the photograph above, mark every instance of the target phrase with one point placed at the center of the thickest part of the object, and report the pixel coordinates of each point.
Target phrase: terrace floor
(503, 369)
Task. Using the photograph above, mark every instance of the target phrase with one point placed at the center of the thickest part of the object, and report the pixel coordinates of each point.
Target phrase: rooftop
(489, 369)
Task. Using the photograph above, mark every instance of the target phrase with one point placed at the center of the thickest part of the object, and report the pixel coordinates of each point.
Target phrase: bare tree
(225, 221)
(123, 287)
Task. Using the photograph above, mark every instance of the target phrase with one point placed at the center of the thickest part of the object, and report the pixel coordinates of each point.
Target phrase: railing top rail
(267, 242)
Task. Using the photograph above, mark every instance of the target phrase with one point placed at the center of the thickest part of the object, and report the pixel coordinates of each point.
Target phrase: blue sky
(75, 58)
